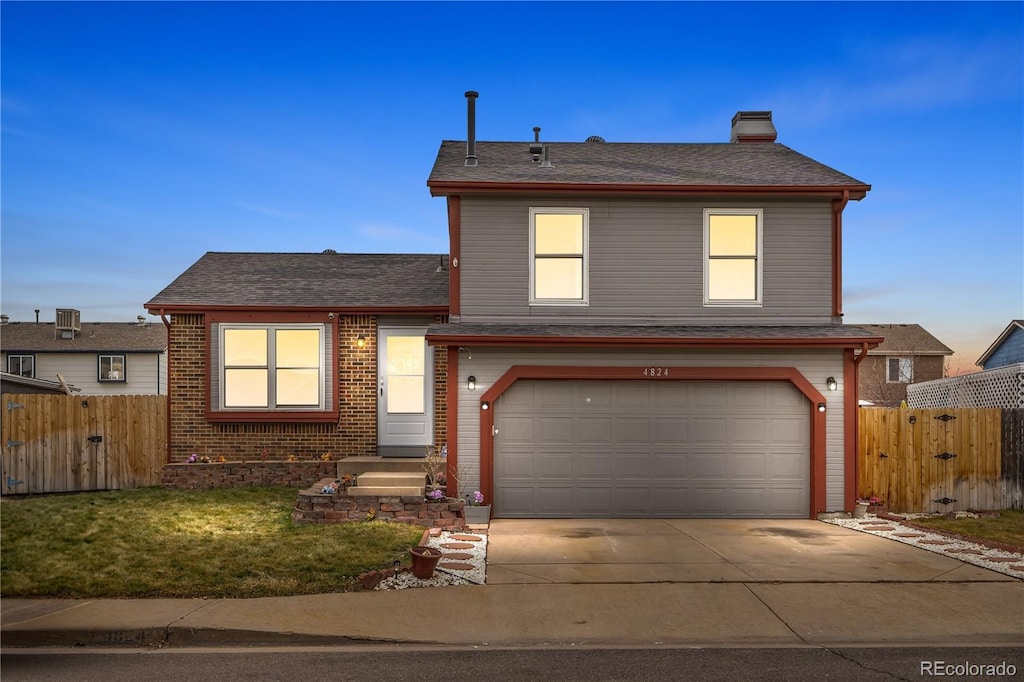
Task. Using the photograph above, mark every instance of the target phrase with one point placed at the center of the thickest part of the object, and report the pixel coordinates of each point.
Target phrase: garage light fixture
(821, 407)
(485, 405)
(360, 341)
(832, 384)
(471, 383)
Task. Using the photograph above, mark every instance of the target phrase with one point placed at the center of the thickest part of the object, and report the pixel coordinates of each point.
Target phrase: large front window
(272, 367)
(558, 255)
(732, 257)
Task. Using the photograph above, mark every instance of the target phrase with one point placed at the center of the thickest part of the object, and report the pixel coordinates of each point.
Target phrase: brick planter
(246, 474)
(312, 506)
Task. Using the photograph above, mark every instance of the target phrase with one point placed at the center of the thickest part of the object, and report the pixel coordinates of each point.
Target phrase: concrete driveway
(705, 550)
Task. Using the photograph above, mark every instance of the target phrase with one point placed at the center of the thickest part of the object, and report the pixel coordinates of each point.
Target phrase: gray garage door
(670, 449)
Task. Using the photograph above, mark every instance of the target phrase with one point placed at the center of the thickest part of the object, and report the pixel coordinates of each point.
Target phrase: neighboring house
(280, 354)
(999, 385)
(99, 358)
(909, 355)
(1007, 349)
(14, 383)
(649, 329)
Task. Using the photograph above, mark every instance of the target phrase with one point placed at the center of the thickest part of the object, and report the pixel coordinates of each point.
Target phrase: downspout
(167, 324)
(838, 205)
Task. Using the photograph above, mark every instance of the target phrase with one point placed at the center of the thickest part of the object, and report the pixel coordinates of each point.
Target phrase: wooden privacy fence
(64, 443)
(941, 460)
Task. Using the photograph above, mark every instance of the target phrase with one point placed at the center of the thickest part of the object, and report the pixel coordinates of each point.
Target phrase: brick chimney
(752, 126)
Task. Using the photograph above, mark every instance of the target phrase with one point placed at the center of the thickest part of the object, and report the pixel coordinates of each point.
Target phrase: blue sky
(138, 136)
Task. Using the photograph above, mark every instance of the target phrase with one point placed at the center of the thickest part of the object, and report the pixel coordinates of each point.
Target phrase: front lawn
(1007, 528)
(152, 542)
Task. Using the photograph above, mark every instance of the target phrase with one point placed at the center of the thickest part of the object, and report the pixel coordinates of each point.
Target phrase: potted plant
(475, 510)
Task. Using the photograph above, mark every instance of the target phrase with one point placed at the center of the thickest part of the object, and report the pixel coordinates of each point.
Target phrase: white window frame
(585, 256)
(271, 328)
(107, 379)
(899, 378)
(21, 365)
(755, 302)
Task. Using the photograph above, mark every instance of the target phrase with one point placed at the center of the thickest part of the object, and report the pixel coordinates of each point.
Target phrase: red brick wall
(354, 434)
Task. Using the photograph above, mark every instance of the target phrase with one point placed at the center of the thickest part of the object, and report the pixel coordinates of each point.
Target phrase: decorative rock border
(313, 506)
(199, 476)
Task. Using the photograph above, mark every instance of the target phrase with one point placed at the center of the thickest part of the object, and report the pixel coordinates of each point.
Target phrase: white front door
(405, 408)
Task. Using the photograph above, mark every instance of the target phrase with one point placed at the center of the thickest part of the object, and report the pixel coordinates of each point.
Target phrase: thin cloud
(862, 294)
(270, 211)
(400, 235)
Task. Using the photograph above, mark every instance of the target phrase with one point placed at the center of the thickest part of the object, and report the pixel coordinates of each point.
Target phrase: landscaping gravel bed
(999, 560)
(444, 577)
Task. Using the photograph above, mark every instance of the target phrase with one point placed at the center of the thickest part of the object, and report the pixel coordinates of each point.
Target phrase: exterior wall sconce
(821, 407)
(832, 384)
(485, 405)
(330, 316)
(471, 383)
(360, 341)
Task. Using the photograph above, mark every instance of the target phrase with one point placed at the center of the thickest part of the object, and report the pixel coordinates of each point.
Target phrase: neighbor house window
(732, 256)
(900, 370)
(22, 365)
(271, 367)
(558, 255)
(112, 368)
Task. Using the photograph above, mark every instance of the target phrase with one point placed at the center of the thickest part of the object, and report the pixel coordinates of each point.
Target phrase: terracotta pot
(424, 561)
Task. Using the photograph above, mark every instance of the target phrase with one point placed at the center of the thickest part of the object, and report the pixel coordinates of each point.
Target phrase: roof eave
(1014, 324)
(461, 187)
(199, 308)
(647, 341)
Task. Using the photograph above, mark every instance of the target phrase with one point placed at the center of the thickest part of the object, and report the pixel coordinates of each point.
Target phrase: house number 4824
(655, 371)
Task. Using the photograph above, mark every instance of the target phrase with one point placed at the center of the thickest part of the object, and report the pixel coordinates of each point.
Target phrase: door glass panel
(405, 394)
(405, 374)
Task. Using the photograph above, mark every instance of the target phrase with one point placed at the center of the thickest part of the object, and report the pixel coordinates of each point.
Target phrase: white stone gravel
(975, 559)
(444, 577)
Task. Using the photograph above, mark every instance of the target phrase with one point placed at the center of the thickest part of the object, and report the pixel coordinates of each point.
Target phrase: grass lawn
(152, 542)
(1007, 528)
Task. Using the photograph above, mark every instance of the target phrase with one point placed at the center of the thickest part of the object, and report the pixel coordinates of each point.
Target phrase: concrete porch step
(359, 465)
(386, 491)
(402, 479)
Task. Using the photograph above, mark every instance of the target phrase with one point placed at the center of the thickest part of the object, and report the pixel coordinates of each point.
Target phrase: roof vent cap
(594, 138)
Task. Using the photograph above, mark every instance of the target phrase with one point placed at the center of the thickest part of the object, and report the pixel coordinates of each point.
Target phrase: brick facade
(246, 474)
(872, 377)
(355, 432)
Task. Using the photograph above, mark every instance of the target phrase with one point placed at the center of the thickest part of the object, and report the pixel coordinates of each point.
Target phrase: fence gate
(939, 459)
(60, 443)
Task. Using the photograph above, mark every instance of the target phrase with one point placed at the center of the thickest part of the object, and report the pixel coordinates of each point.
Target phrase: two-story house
(648, 330)
(97, 358)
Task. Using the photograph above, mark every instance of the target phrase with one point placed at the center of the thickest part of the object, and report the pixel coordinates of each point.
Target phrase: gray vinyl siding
(146, 373)
(489, 364)
(646, 263)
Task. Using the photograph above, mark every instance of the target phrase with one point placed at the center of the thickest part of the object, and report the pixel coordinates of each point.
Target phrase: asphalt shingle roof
(906, 338)
(94, 337)
(764, 165)
(289, 280)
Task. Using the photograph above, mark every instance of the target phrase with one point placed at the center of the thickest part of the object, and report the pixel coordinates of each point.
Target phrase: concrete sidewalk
(696, 614)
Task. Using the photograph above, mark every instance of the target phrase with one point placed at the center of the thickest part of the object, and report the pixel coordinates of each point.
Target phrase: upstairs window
(732, 257)
(112, 368)
(272, 367)
(558, 256)
(22, 365)
(899, 370)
